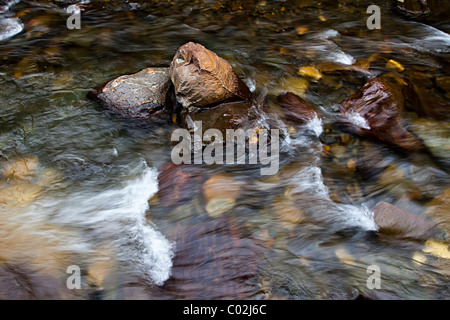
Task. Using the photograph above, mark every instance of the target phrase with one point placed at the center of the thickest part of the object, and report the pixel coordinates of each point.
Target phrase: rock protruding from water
(395, 221)
(296, 109)
(138, 95)
(375, 112)
(202, 78)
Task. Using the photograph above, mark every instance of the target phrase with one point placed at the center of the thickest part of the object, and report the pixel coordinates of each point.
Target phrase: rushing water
(83, 177)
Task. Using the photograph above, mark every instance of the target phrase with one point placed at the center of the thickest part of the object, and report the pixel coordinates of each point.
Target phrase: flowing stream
(84, 187)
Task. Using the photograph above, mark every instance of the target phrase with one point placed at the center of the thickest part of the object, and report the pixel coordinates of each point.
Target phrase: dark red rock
(214, 259)
(202, 78)
(178, 183)
(296, 109)
(378, 106)
(395, 221)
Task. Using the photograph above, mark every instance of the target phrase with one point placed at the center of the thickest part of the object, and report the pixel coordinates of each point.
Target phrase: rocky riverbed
(87, 178)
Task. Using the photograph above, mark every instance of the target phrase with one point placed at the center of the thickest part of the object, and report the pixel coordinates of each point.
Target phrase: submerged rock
(202, 78)
(178, 183)
(438, 210)
(18, 282)
(231, 115)
(435, 135)
(138, 95)
(375, 112)
(296, 109)
(220, 192)
(213, 260)
(395, 221)
(21, 169)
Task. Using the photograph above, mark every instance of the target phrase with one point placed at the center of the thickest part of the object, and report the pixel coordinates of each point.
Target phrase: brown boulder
(375, 112)
(296, 109)
(138, 95)
(395, 221)
(202, 78)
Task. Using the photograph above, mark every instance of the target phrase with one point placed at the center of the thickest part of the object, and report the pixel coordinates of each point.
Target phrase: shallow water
(305, 233)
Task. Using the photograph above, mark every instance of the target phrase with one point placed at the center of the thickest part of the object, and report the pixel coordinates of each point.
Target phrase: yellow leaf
(394, 65)
(301, 30)
(310, 72)
(437, 249)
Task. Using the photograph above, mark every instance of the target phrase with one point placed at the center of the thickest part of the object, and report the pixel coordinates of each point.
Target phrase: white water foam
(117, 216)
(310, 180)
(332, 50)
(315, 125)
(9, 27)
(309, 185)
(357, 120)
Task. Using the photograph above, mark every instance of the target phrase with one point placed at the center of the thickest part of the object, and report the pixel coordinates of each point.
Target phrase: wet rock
(178, 183)
(232, 115)
(213, 260)
(296, 109)
(202, 78)
(138, 95)
(395, 221)
(375, 112)
(220, 192)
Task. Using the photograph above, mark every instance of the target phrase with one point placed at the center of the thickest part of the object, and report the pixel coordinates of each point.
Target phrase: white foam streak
(310, 180)
(315, 125)
(358, 120)
(117, 216)
(9, 27)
